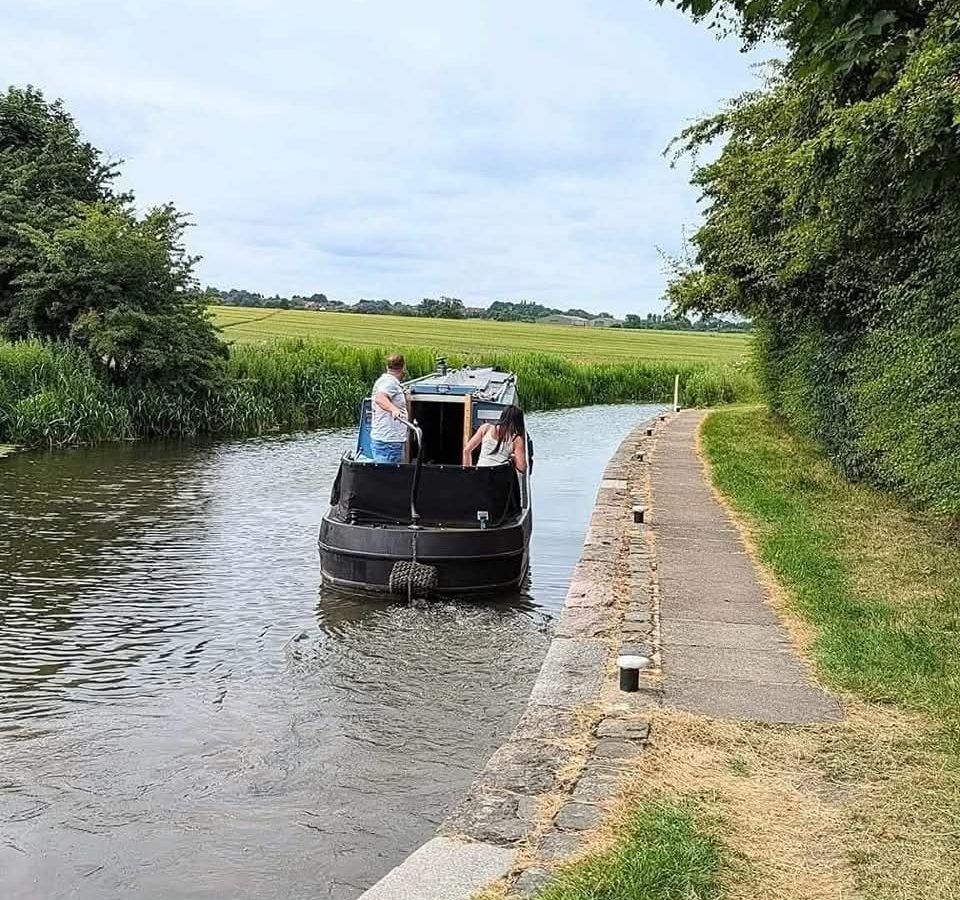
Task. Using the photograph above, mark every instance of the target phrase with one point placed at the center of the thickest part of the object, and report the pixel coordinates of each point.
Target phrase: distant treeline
(678, 322)
(454, 308)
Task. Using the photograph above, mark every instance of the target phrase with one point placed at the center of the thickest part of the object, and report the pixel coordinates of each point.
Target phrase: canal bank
(664, 575)
(542, 791)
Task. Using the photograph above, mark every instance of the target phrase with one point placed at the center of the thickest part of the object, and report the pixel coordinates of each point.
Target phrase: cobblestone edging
(546, 786)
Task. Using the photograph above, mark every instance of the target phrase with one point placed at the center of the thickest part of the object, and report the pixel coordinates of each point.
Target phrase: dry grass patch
(868, 808)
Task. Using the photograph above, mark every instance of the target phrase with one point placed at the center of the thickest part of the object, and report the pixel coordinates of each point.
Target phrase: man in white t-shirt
(388, 434)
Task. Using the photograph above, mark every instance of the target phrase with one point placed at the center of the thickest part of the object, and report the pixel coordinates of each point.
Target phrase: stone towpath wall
(544, 788)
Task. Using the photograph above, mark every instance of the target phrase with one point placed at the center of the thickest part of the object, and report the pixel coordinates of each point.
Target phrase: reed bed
(51, 396)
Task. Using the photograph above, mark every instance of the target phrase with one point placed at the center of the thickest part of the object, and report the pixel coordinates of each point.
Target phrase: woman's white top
(489, 454)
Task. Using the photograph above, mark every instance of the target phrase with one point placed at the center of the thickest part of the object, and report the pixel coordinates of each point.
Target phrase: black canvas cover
(369, 493)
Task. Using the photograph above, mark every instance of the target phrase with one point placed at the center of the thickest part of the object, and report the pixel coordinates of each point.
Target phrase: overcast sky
(375, 148)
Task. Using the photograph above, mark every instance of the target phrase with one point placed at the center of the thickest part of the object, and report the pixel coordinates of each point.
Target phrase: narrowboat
(430, 526)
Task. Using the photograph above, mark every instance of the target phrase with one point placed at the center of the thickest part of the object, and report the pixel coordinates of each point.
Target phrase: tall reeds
(50, 395)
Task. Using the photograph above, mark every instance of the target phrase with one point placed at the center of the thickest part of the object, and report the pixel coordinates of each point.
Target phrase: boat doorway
(443, 430)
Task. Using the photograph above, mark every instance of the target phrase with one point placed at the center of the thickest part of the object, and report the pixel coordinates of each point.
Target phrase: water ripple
(183, 715)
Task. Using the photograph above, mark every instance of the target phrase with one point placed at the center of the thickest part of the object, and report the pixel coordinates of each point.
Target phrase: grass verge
(864, 809)
(662, 854)
(878, 584)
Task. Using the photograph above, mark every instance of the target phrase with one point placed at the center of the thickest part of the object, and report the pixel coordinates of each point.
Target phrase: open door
(446, 422)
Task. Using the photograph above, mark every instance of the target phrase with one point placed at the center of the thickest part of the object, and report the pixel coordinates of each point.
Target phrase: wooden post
(676, 393)
(467, 420)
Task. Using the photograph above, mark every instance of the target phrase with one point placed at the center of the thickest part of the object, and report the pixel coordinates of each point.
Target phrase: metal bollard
(630, 667)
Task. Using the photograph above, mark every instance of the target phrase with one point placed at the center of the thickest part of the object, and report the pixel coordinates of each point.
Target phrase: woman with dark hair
(501, 442)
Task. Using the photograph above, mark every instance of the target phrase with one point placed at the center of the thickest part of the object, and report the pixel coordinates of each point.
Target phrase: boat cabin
(449, 406)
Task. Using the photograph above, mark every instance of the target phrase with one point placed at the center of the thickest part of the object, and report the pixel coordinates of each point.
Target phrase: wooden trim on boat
(467, 420)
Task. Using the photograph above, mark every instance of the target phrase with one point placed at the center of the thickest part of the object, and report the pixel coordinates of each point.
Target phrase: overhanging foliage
(833, 219)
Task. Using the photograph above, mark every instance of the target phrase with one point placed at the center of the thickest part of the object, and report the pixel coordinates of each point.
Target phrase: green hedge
(832, 219)
(885, 406)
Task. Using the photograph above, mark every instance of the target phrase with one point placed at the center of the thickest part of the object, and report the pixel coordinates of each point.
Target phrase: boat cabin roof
(482, 384)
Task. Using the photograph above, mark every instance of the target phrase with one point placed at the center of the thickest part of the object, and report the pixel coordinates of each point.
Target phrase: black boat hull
(468, 561)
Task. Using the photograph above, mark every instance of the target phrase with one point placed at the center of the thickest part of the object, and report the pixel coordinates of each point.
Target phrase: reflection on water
(181, 715)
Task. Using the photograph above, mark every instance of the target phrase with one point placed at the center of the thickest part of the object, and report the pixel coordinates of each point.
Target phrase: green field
(472, 336)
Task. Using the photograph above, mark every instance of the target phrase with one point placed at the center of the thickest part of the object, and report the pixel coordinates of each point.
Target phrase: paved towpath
(725, 652)
(679, 589)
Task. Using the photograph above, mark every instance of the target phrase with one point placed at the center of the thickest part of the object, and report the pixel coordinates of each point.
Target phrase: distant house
(323, 305)
(604, 322)
(560, 319)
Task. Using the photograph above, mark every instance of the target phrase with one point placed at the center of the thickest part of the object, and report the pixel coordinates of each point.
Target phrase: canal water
(183, 714)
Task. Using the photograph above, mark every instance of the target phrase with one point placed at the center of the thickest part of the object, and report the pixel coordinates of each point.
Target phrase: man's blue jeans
(387, 451)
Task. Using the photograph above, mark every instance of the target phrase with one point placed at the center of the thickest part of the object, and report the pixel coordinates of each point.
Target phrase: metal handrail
(418, 434)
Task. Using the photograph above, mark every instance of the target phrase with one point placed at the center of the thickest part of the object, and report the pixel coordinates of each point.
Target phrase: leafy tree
(444, 308)
(833, 218)
(374, 307)
(125, 285)
(857, 46)
(46, 169)
(524, 311)
(77, 263)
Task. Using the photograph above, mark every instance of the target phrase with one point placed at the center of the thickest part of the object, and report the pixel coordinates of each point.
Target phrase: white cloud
(369, 148)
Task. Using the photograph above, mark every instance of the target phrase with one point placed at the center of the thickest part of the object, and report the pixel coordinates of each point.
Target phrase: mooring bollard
(630, 667)
(638, 515)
